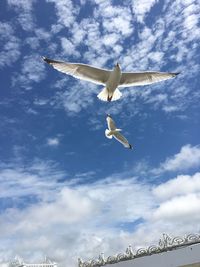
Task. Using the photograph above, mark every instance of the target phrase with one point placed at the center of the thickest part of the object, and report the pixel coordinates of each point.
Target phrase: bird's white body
(112, 80)
(110, 133)
(110, 91)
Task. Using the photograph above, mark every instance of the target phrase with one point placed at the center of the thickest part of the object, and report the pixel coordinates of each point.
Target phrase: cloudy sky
(65, 190)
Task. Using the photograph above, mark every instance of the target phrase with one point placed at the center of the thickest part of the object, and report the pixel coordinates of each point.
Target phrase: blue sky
(67, 191)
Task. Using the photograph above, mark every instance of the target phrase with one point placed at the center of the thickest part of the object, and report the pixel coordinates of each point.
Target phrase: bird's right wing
(111, 123)
(119, 137)
(144, 78)
(80, 71)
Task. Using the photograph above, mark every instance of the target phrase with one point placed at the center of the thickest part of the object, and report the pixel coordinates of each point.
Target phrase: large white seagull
(111, 79)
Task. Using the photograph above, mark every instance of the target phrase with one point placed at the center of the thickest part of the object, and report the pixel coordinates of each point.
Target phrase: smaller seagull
(112, 131)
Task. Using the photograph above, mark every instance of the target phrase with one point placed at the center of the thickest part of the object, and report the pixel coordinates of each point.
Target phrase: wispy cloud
(11, 45)
(66, 12)
(32, 71)
(141, 8)
(115, 19)
(24, 8)
(76, 97)
(149, 52)
(111, 27)
(17, 181)
(54, 142)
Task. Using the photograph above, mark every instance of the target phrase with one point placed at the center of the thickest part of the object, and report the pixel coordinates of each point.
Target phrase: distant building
(170, 252)
(19, 262)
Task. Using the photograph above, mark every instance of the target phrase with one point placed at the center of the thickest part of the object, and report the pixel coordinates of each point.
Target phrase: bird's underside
(112, 131)
(102, 76)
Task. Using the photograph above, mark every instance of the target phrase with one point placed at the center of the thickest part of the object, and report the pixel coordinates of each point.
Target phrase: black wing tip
(176, 74)
(130, 146)
(49, 61)
(108, 115)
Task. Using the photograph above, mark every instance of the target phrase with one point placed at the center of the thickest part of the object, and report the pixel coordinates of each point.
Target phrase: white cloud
(156, 56)
(21, 4)
(40, 101)
(72, 219)
(115, 19)
(82, 217)
(69, 206)
(191, 21)
(32, 71)
(180, 208)
(94, 123)
(24, 9)
(110, 39)
(154, 44)
(32, 111)
(188, 157)
(181, 185)
(11, 45)
(53, 142)
(17, 181)
(39, 35)
(69, 48)
(78, 32)
(142, 7)
(170, 108)
(66, 12)
(109, 26)
(76, 97)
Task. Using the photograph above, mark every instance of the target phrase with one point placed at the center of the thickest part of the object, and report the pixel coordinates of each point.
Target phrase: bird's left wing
(80, 71)
(111, 123)
(119, 137)
(144, 78)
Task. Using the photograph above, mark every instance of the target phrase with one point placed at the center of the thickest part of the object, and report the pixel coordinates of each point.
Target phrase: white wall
(174, 258)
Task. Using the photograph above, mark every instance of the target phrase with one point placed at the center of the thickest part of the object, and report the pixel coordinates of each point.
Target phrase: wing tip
(175, 74)
(44, 58)
(49, 61)
(130, 146)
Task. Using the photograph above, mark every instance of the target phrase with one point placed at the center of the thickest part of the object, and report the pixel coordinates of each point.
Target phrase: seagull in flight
(113, 131)
(110, 79)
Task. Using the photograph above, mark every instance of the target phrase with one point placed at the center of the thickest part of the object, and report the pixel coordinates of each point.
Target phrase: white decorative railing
(19, 262)
(166, 243)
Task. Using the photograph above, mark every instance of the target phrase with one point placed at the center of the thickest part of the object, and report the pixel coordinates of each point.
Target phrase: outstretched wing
(144, 78)
(111, 123)
(80, 71)
(119, 137)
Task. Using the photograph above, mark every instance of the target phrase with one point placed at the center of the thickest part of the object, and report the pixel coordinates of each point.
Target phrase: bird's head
(108, 115)
(117, 65)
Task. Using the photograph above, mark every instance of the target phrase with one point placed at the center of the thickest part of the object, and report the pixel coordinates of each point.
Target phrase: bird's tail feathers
(103, 95)
(107, 134)
(117, 95)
